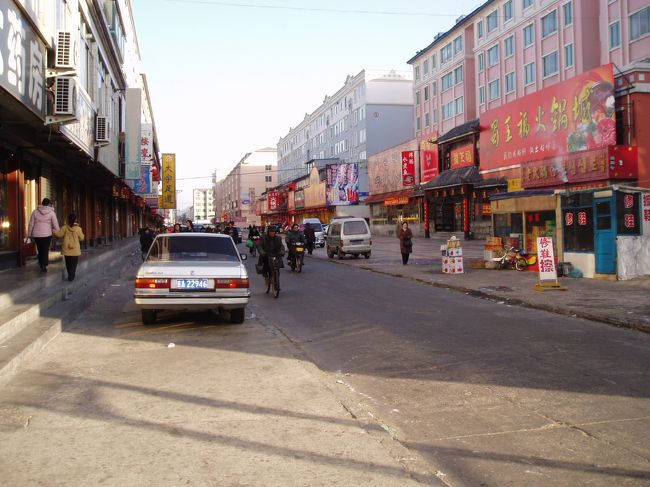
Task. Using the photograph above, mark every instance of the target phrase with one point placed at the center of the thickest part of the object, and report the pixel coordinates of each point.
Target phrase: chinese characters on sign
(546, 259)
(273, 200)
(429, 164)
(574, 115)
(146, 143)
(396, 201)
(462, 156)
(168, 181)
(571, 168)
(408, 168)
(22, 59)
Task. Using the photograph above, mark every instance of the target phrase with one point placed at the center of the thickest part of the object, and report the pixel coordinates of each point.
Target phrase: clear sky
(228, 77)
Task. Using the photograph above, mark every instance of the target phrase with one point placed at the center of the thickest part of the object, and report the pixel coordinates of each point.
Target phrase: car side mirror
(243, 256)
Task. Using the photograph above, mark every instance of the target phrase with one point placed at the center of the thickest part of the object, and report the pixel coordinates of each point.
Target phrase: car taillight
(152, 283)
(230, 283)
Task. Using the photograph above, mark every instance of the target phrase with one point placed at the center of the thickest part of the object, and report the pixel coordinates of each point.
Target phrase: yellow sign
(514, 185)
(168, 181)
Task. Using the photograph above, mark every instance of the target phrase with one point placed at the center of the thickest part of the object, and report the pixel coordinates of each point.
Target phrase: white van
(318, 230)
(349, 236)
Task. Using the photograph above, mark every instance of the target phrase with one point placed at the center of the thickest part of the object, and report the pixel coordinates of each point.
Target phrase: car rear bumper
(183, 303)
(356, 249)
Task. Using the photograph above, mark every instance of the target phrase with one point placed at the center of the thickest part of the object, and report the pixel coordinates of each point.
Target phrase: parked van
(349, 236)
(318, 230)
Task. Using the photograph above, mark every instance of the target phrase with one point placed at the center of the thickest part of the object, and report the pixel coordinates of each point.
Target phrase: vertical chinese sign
(168, 200)
(133, 133)
(342, 184)
(546, 259)
(408, 168)
(429, 164)
(143, 185)
(273, 198)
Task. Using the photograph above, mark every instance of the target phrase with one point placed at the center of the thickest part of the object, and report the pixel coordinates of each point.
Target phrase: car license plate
(299, 249)
(356, 241)
(192, 284)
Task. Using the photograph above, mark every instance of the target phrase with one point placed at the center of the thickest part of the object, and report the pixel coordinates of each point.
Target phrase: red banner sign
(408, 168)
(429, 165)
(574, 115)
(462, 156)
(598, 164)
(273, 200)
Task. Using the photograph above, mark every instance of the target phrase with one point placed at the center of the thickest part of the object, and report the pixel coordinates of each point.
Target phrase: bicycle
(272, 279)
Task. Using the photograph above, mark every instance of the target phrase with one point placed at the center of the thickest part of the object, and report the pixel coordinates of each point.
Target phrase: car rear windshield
(316, 226)
(354, 228)
(170, 248)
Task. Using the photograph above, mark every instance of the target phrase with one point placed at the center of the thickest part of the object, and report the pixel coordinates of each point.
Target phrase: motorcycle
(516, 259)
(297, 256)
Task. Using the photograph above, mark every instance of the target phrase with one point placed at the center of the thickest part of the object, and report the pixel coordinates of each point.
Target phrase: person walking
(70, 248)
(405, 242)
(310, 237)
(146, 239)
(41, 224)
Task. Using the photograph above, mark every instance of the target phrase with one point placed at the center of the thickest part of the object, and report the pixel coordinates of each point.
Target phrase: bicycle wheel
(275, 278)
(299, 263)
(267, 281)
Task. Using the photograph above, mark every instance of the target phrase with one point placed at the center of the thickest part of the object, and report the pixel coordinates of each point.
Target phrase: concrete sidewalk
(620, 303)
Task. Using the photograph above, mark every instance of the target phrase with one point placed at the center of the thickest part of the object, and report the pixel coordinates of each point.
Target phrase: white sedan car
(192, 271)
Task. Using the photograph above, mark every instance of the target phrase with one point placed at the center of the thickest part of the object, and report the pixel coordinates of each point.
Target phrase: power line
(315, 9)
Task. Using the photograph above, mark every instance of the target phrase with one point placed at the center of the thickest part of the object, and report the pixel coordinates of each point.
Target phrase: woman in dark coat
(405, 242)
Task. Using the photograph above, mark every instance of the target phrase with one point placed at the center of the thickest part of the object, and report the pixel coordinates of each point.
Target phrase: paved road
(489, 394)
(349, 378)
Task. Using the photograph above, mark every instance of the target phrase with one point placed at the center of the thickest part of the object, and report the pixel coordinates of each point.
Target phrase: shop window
(539, 224)
(627, 214)
(578, 226)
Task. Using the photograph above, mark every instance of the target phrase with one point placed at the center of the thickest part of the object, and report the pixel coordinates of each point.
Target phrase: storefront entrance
(605, 241)
(445, 217)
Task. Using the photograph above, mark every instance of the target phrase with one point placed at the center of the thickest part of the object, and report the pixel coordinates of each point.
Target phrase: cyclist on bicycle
(270, 245)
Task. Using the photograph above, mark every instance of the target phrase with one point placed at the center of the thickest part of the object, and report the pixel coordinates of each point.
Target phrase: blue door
(605, 236)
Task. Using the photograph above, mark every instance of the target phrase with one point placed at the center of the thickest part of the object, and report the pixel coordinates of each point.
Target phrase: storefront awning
(381, 197)
(521, 194)
(454, 177)
(471, 127)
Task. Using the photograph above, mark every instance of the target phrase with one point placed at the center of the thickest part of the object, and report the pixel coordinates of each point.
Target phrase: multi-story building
(371, 111)
(75, 108)
(236, 195)
(203, 205)
(518, 91)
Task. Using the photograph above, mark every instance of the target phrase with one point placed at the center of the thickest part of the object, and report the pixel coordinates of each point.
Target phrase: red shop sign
(408, 168)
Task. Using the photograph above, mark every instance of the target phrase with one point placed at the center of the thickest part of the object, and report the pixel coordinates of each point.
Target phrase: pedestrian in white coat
(41, 224)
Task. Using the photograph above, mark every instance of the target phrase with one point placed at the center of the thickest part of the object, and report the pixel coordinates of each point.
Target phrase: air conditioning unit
(65, 96)
(102, 129)
(66, 50)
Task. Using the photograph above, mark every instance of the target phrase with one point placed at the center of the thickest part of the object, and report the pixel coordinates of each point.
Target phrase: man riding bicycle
(271, 245)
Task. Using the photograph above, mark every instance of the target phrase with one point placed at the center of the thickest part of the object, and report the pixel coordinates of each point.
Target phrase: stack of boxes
(452, 257)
